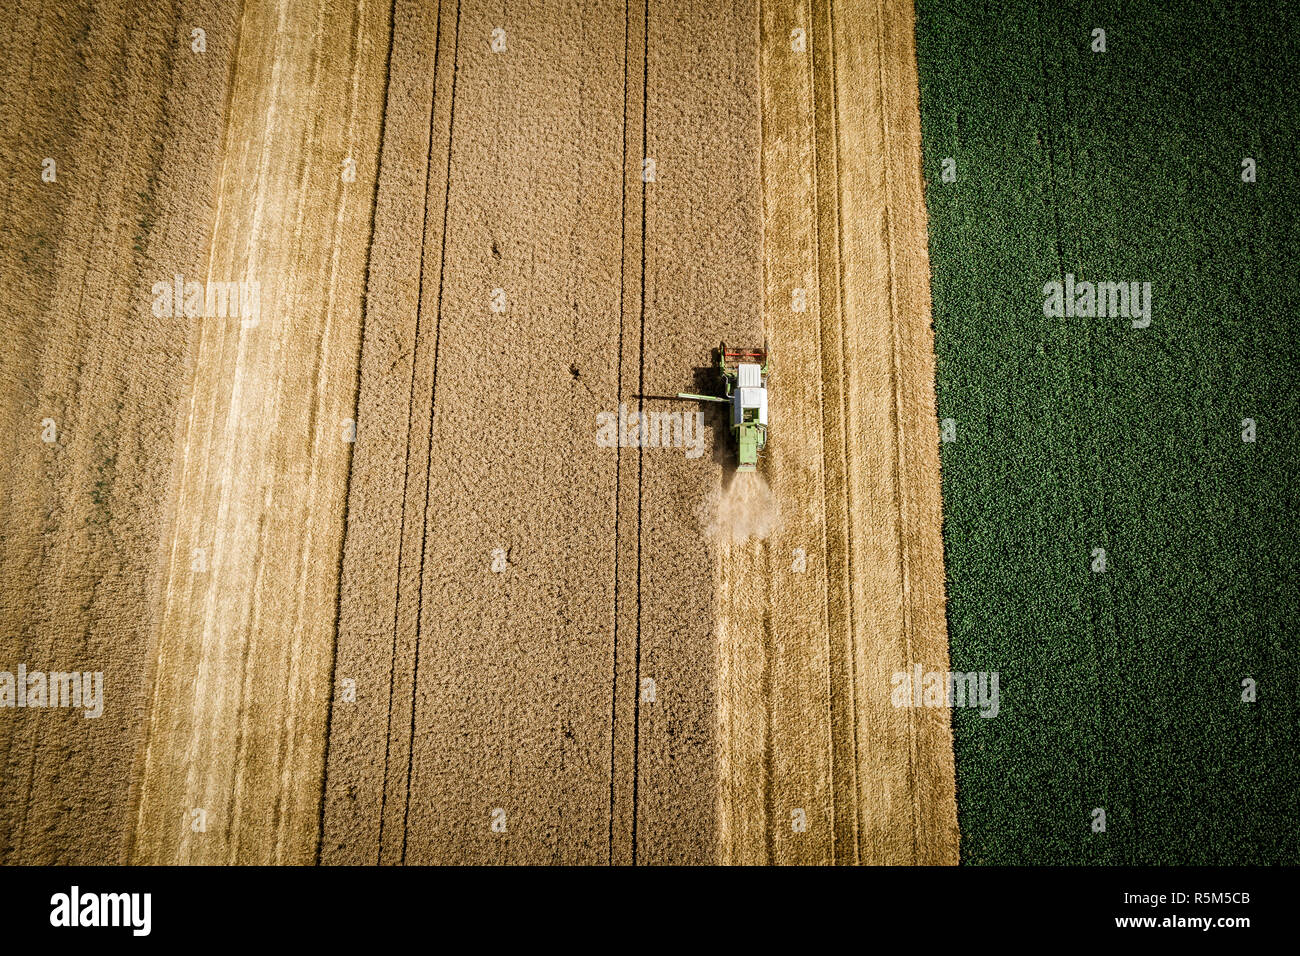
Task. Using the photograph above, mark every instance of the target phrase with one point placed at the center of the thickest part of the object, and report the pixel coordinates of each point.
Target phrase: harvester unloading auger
(744, 376)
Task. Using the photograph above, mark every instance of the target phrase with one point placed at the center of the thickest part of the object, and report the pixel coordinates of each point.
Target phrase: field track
(474, 634)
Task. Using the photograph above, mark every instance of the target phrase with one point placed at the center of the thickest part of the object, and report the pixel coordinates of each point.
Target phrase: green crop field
(1120, 689)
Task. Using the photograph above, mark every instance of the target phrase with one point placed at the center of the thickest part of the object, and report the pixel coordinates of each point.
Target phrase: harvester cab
(744, 377)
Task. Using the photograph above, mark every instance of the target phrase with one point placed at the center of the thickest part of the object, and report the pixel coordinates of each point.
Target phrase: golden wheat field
(315, 310)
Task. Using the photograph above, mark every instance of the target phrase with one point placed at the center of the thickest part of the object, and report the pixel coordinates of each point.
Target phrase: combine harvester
(744, 375)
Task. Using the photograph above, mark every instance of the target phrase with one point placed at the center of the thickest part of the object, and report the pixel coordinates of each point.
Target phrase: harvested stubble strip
(823, 766)
(133, 123)
(245, 639)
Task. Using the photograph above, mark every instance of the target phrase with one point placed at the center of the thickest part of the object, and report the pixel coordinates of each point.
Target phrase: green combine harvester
(744, 376)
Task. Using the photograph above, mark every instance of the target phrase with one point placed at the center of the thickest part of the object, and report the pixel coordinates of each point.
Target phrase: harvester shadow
(717, 417)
